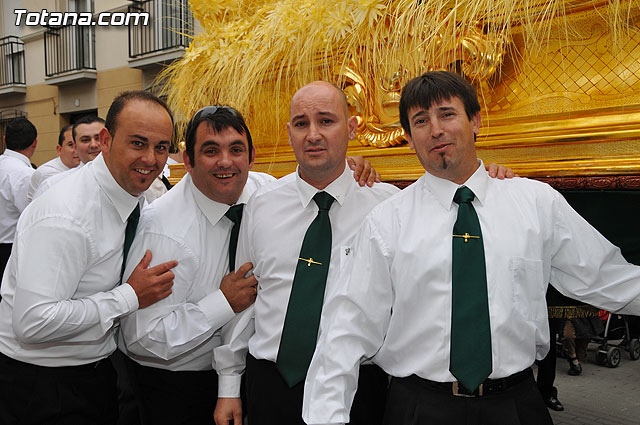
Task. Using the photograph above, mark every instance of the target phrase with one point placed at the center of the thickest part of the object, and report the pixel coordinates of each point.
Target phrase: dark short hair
(433, 87)
(121, 101)
(20, 134)
(87, 119)
(220, 118)
(64, 130)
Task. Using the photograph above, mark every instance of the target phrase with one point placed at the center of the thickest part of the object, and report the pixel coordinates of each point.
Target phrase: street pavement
(600, 395)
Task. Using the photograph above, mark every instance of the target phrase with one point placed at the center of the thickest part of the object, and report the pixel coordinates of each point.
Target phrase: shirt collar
(247, 191)
(337, 188)
(122, 200)
(211, 209)
(444, 190)
(59, 162)
(18, 155)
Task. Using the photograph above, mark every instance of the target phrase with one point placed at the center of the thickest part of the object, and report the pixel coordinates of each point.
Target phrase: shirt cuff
(229, 386)
(217, 309)
(127, 295)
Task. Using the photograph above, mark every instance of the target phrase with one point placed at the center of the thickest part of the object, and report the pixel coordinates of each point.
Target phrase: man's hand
(151, 285)
(363, 172)
(500, 171)
(228, 410)
(240, 291)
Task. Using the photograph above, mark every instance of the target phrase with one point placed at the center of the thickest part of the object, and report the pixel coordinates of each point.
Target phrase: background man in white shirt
(62, 291)
(398, 302)
(172, 342)
(21, 138)
(67, 148)
(67, 159)
(86, 134)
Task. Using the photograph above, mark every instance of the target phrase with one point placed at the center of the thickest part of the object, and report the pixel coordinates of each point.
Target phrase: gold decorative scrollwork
(375, 104)
(376, 108)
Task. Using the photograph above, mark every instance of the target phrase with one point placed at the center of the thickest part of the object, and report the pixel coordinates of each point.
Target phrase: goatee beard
(444, 162)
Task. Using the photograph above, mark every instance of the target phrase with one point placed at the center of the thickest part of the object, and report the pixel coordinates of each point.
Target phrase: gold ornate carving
(559, 81)
(376, 108)
(375, 103)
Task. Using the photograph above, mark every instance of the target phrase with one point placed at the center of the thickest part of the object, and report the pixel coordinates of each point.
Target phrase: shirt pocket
(528, 288)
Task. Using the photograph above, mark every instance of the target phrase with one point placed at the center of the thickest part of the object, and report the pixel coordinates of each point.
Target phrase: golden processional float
(559, 80)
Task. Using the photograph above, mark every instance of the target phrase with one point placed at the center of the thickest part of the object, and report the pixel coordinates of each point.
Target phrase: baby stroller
(617, 327)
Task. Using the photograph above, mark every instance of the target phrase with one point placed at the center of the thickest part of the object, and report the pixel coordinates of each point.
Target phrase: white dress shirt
(61, 292)
(53, 180)
(166, 171)
(274, 223)
(397, 303)
(155, 191)
(181, 331)
(15, 174)
(43, 172)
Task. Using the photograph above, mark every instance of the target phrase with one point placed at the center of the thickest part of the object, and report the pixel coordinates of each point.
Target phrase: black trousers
(272, 402)
(176, 398)
(72, 395)
(128, 395)
(411, 402)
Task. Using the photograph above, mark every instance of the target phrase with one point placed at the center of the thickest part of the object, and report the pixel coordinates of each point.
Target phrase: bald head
(321, 88)
(319, 131)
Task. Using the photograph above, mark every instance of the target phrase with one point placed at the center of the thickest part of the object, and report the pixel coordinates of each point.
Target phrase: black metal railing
(169, 25)
(69, 48)
(11, 61)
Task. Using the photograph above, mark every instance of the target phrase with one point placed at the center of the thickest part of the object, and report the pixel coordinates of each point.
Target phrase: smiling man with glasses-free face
(86, 134)
(137, 151)
(221, 156)
(64, 283)
(173, 343)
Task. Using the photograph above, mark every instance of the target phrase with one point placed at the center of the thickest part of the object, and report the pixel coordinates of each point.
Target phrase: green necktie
(129, 233)
(307, 293)
(234, 214)
(470, 330)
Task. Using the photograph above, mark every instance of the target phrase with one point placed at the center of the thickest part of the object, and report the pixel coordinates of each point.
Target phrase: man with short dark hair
(63, 291)
(67, 159)
(86, 134)
(172, 342)
(21, 138)
(448, 281)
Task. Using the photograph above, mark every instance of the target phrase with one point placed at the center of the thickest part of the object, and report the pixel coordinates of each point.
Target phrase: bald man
(274, 225)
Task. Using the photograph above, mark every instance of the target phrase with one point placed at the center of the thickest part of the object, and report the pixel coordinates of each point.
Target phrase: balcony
(69, 54)
(166, 35)
(12, 78)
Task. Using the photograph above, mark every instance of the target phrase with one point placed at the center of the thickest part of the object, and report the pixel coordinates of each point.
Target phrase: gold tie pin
(466, 237)
(309, 261)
